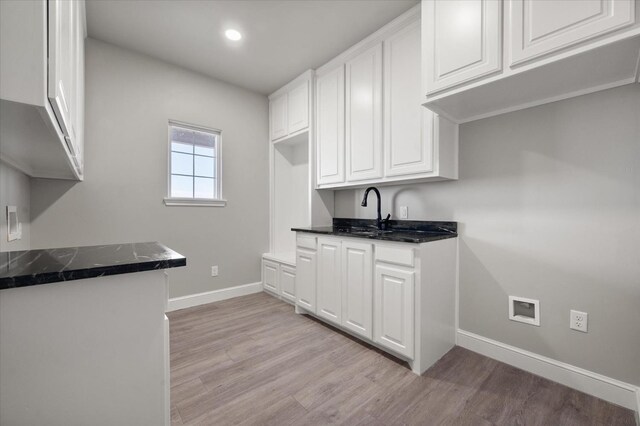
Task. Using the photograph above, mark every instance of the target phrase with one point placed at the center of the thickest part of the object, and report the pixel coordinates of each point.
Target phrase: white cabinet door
(270, 276)
(462, 41)
(287, 280)
(408, 135)
(306, 278)
(363, 109)
(62, 45)
(329, 280)
(393, 310)
(330, 126)
(298, 108)
(542, 27)
(357, 287)
(278, 117)
(79, 88)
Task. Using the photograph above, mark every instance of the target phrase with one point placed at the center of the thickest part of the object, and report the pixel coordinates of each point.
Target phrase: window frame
(220, 201)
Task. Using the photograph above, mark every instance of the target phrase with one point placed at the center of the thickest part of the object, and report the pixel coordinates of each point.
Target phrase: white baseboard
(213, 296)
(612, 390)
(638, 406)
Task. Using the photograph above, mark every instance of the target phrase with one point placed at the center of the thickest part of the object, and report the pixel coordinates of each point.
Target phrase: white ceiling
(281, 38)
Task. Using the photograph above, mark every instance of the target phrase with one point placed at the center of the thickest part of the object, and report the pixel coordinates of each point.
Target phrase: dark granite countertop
(406, 231)
(34, 267)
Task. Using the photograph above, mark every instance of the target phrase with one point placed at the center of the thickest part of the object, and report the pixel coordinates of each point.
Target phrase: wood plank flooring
(252, 361)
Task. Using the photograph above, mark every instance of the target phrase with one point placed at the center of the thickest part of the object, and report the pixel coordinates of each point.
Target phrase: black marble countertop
(34, 267)
(406, 231)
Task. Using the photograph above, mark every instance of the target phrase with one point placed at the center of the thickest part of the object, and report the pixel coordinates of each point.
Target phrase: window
(194, 166)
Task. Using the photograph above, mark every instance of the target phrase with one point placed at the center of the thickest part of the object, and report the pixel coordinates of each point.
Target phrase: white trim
(638, 406)
(612, 390)
(191, 300)
(217, 173)
(194, 202)
(398, 23)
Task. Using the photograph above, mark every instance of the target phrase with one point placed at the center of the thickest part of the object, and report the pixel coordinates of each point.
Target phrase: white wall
(15, 188)
(548, 204)
(129, 100)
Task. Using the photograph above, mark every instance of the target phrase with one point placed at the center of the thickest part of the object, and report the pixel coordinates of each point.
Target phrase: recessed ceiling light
(233, 35)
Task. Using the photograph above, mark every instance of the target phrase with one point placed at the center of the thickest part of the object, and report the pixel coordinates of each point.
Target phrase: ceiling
(281, 38)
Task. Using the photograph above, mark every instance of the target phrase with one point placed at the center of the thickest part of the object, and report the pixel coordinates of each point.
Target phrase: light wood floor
(253, 361)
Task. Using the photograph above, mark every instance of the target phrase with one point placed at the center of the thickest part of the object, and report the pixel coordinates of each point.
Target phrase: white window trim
(195, 202)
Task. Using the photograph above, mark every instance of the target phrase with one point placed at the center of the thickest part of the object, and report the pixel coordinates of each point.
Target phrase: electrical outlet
(579, 321)
(404, 212)
(214, 271)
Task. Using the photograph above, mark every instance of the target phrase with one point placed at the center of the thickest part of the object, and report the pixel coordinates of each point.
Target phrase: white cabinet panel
(306, 278)
(298, 108)
(408, 126)
(394, 310)
(363, 128)
(330, 126)
(542, 27)
(270, 271)
(287, 281)
(329, 289)
(462, 41)
(61, 62)
(357, 288)
(279, 117)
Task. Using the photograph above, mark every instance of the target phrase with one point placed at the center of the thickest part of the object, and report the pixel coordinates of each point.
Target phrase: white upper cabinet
(298, 108)
(463, 41)
(278, 107)
(542, 27)
(330, 126)
(478, 64)
(363, 108)
(408, 127)
(289, 108)
(357, 287)
(42, 87)
(371, 126)
(61, 63)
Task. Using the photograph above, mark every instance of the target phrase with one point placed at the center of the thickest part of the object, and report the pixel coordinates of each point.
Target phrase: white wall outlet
(579, 321)
(214, 271)
(404, 212)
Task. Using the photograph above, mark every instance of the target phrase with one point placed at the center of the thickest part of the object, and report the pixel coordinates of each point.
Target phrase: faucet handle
(385, 222)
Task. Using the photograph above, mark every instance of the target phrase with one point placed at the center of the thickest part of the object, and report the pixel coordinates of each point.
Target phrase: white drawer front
(397, 255)
(306, 241)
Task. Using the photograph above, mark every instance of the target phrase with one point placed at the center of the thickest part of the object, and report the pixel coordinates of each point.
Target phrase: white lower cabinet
(393, 308)
(357, 288)
(287, 281)
(306, 278)
(399, 297)
(270, 272)
(279, 278)
(329, 288)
